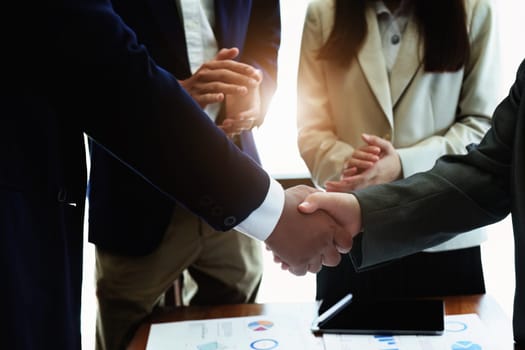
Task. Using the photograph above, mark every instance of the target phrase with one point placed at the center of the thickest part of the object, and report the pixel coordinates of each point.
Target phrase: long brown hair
(441, 24)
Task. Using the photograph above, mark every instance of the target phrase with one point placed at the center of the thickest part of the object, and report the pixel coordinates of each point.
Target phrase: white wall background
(277, 144)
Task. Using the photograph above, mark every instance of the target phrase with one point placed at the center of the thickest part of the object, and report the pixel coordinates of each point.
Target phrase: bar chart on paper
(386, 342)
(370, 342)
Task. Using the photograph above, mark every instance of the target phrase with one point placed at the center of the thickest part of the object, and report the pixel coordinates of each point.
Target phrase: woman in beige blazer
(423, 78)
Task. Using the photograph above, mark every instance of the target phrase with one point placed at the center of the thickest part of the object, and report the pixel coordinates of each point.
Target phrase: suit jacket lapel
(169, 20)
(370, 57)
(230, 33)
(407, 62)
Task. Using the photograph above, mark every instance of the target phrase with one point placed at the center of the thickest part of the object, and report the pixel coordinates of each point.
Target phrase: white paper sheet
(265, 332)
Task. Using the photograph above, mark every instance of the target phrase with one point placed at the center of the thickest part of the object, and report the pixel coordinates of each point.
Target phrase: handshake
(314, 229)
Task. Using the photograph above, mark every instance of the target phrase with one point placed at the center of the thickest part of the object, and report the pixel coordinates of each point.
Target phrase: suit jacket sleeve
(263, 40)
(138, 111)
(320, 147)
(458, 194)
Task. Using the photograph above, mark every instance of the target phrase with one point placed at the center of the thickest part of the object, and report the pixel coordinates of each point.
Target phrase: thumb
(342, 207)
(327, 201)
(374, 140)
(310, 204)
(227, 54)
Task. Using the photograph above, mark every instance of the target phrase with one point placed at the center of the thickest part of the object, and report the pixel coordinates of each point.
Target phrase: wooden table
(497, 322)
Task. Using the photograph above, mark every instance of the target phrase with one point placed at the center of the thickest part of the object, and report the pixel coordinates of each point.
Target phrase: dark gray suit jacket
(458, 194)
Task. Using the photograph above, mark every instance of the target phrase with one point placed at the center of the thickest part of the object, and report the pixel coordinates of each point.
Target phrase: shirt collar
(380, 8)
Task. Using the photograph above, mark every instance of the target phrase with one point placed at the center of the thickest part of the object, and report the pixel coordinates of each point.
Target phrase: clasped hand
(314, 229)
(375, 163)
(223, 79)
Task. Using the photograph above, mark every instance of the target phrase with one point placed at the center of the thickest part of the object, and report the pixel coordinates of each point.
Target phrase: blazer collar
(370, 57)
(408, 62)
(388, 92)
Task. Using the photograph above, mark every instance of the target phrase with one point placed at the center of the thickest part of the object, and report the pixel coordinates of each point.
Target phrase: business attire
(386, 92)
(77, 68)
(459, 193)
(144, 241)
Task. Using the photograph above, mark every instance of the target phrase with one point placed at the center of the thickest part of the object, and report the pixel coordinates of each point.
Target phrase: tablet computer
(383, 316)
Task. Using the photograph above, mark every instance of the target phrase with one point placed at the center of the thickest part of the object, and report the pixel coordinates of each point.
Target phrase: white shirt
(391, 28)
(198, 18)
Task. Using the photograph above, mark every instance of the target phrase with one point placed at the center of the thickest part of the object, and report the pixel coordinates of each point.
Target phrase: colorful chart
(386, 342)
(264, 344)
(465, 345)
(455, 326)
(211, 346)
(261, 325)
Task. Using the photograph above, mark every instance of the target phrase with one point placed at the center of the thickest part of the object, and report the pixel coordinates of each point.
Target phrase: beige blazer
(424, 115)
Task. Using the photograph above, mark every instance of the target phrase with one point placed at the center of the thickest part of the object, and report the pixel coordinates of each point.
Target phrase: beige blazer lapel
(408, 61)
(372, 63)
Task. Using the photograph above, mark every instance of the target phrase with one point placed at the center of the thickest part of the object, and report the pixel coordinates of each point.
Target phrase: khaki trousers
(225, 267)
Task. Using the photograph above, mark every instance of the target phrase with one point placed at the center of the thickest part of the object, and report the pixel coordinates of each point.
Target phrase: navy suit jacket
(73, 67)
(126, 215)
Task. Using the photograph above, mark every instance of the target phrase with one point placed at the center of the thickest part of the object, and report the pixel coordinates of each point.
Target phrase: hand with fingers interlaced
(220, 77)
(375, 163)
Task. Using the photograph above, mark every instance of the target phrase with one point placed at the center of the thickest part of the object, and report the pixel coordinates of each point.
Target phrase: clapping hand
(219, 77)
(375, 163)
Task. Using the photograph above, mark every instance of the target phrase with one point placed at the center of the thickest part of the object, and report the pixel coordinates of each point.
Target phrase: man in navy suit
(144, 241)
(74, 67)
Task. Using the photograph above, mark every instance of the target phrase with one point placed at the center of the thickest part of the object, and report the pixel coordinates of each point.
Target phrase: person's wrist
(398, 173)
(356, 225)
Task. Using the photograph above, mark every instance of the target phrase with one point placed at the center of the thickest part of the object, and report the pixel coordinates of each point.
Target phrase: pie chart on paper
(259, 326)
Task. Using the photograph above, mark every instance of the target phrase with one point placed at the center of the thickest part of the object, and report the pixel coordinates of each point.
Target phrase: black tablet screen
(388, 317)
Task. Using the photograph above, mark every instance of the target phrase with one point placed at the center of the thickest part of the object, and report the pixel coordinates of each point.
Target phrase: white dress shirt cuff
(262, 221)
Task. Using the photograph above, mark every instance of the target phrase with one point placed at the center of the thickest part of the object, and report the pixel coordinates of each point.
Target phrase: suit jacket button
(230, 221)
(205, 201)
(62, 195)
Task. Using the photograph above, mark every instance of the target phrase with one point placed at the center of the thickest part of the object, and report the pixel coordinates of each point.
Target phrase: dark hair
(441, 24)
